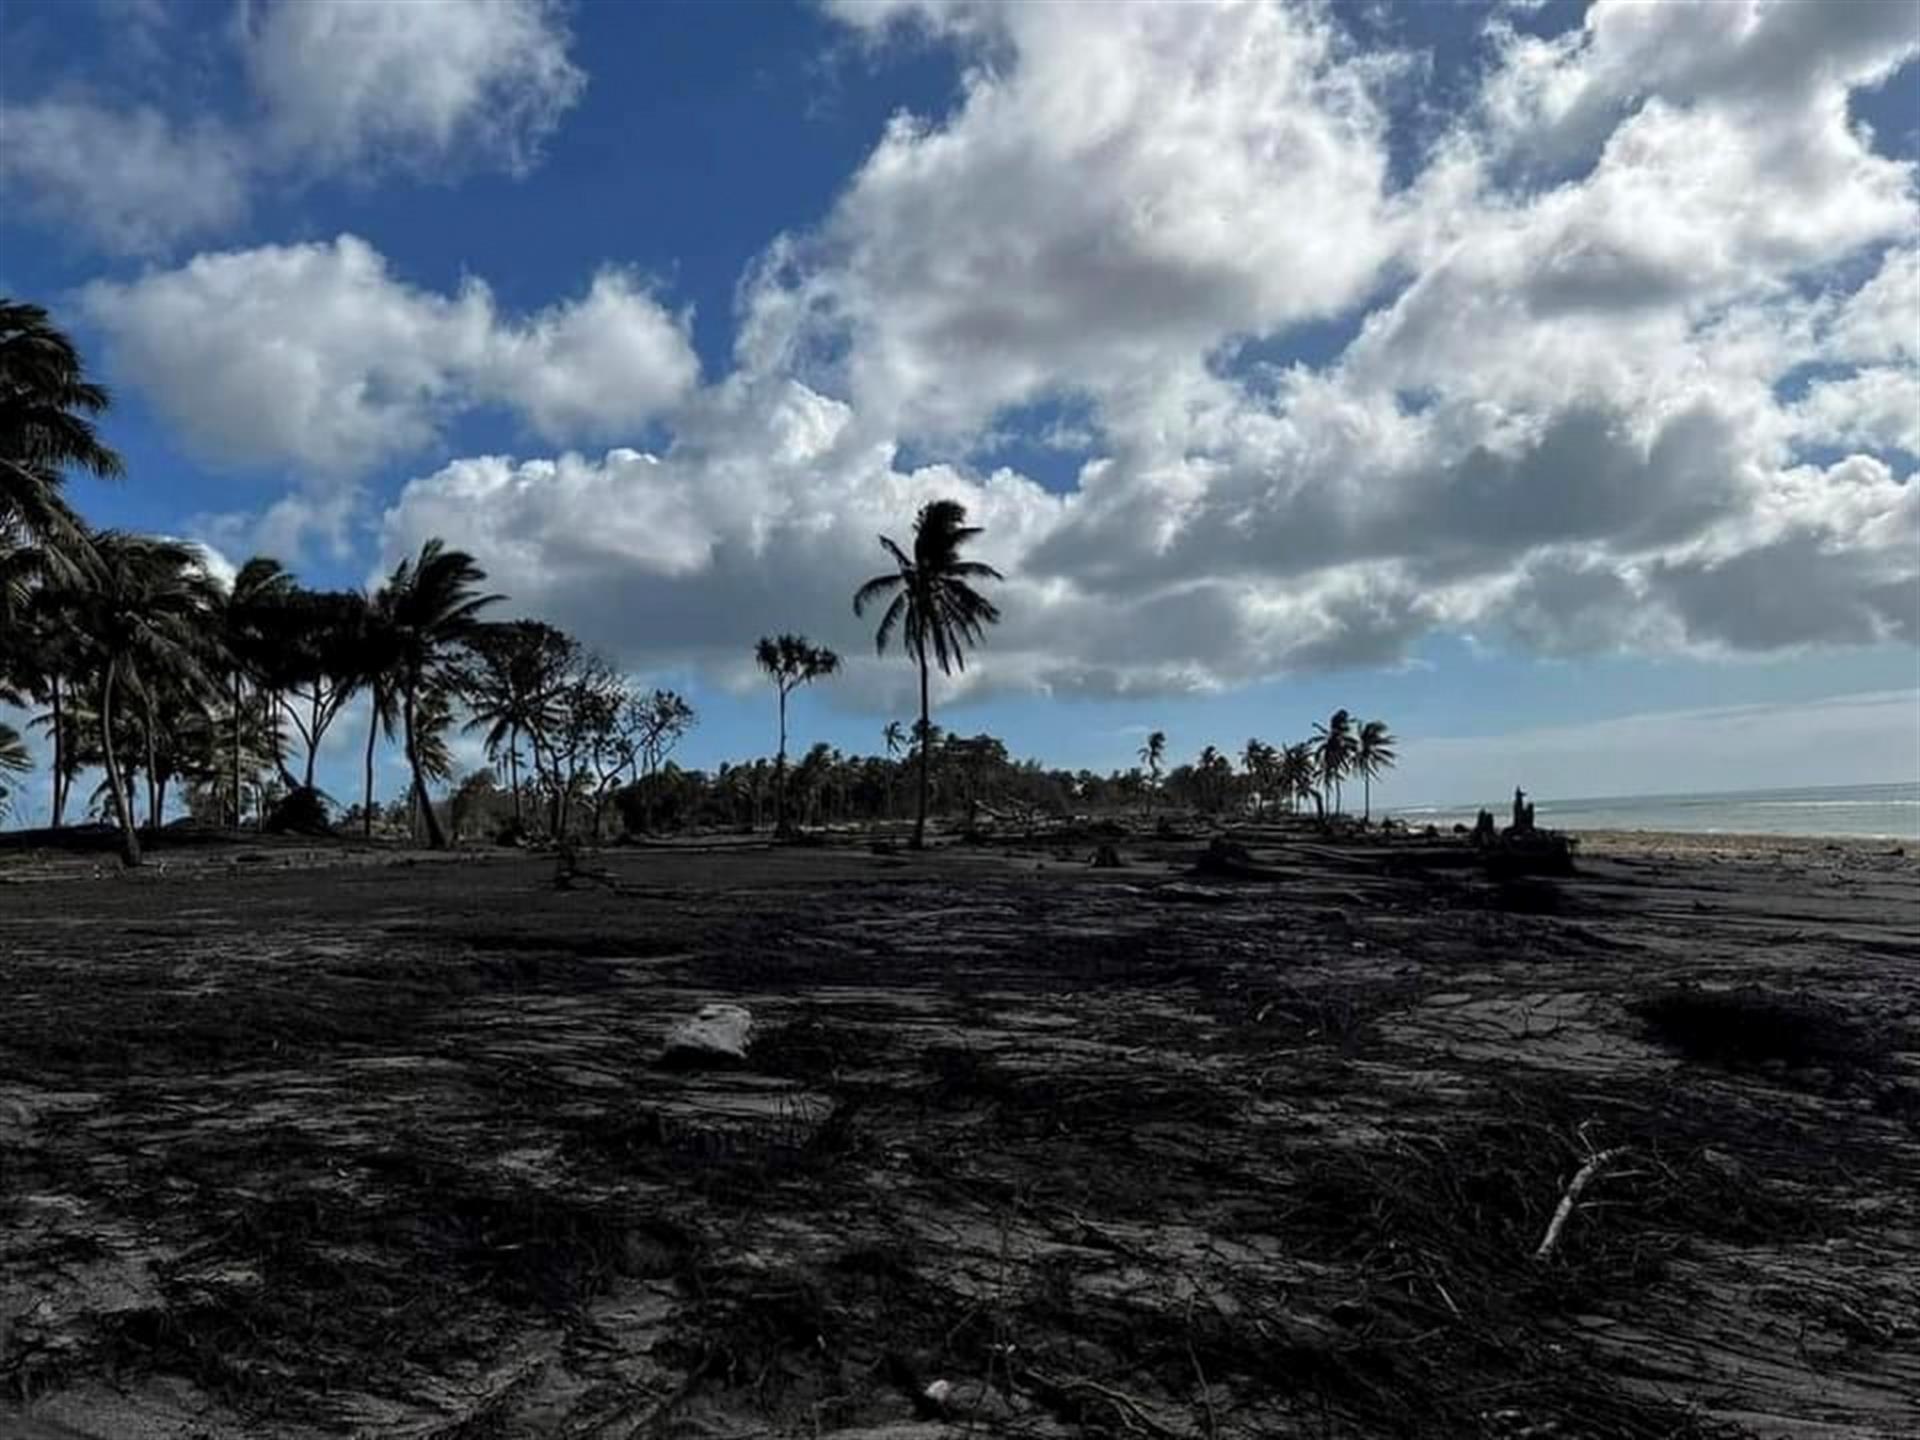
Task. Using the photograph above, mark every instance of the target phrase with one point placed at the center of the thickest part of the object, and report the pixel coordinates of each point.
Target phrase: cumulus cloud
(1121, 188)
(348, 90)
(482, 82)
(131, 177)
(1560, 422)
(316, 356)
(1624, 360)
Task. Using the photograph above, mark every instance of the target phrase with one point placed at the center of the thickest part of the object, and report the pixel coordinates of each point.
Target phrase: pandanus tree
(1372, 754)
(432, 602)
(145, 616)
(790, 661)
(934, 609)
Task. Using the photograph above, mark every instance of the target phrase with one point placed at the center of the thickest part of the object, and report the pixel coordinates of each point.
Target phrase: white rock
(714, 1032)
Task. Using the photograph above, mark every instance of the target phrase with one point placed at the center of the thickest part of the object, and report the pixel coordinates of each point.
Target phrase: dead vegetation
(1057, 1153)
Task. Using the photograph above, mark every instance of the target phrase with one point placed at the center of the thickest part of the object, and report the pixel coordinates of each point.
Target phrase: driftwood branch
(1583, 1178)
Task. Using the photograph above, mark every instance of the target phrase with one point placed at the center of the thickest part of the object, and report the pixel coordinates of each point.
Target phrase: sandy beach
(304, 1139)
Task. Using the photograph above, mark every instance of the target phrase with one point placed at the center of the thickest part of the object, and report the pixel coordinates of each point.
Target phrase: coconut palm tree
(146, 619)
(47, 407)
(790, 661)
(1333, 753)
(432, 602)
(242, 616)
(895, 736)
(935, 610)
(1261, 763)
(1299, 777)
(512, 688)
(14, 760)
(1153, 755)
(1372, 754)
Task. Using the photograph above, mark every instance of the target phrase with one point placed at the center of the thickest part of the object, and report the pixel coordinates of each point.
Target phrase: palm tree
(1333, 753)
(895, 736)
(433, 604)
(1298, 780)
(512, 689)
(1261, 762)
(1372, 753)
(935, 609)
(14, 760)
(1153, 755)
(46, 425)
(790, 661)
(242, 614)
(145, 618)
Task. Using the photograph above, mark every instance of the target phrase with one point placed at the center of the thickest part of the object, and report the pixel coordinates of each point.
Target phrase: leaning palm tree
(790, 661)
(47, 407)
(934, 609)
(1372, 753)
(145, 617)
(433, 602)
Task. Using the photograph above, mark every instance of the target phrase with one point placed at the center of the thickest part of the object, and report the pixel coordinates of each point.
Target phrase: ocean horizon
(1888, 812)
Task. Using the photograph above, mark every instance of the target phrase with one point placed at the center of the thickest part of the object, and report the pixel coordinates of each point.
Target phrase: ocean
(1889, 812)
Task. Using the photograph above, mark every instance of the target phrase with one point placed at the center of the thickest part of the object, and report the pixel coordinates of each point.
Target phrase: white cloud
(430, 87)
(1873, 409)
(1561, 427)
(1127, 187)
(1559, 421)
(429, 83)
(130, 177)
(316, 356)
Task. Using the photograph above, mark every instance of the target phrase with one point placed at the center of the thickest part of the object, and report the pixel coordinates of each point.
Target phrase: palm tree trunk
(237, 802)
(313, 745)
(513, 771)
(436, 838)
(60, 781)
(926, 749)
(373, 732)
(780, 772)
(122, 806)
(1366, 789)
(153, 770)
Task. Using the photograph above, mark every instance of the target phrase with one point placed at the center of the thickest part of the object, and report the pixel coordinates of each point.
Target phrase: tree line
(171, 683)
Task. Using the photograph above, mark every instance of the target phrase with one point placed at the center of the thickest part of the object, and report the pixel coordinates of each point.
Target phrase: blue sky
(1488, 368)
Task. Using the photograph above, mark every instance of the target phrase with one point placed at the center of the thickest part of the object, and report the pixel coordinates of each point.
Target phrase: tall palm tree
(47, 407)
(1261, 762)
(790, 661)
(1372, 754)
(1299, 775)
(433, 602)
(242, 615)
(145, 616)
(935, 610)
(1153, 755)
(1333, 753)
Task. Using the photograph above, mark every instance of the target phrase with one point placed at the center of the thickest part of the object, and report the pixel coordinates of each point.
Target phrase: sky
(1539, 378)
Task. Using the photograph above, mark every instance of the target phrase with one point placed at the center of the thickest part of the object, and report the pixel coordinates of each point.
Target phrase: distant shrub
(302, 811)
(1751, 1025)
